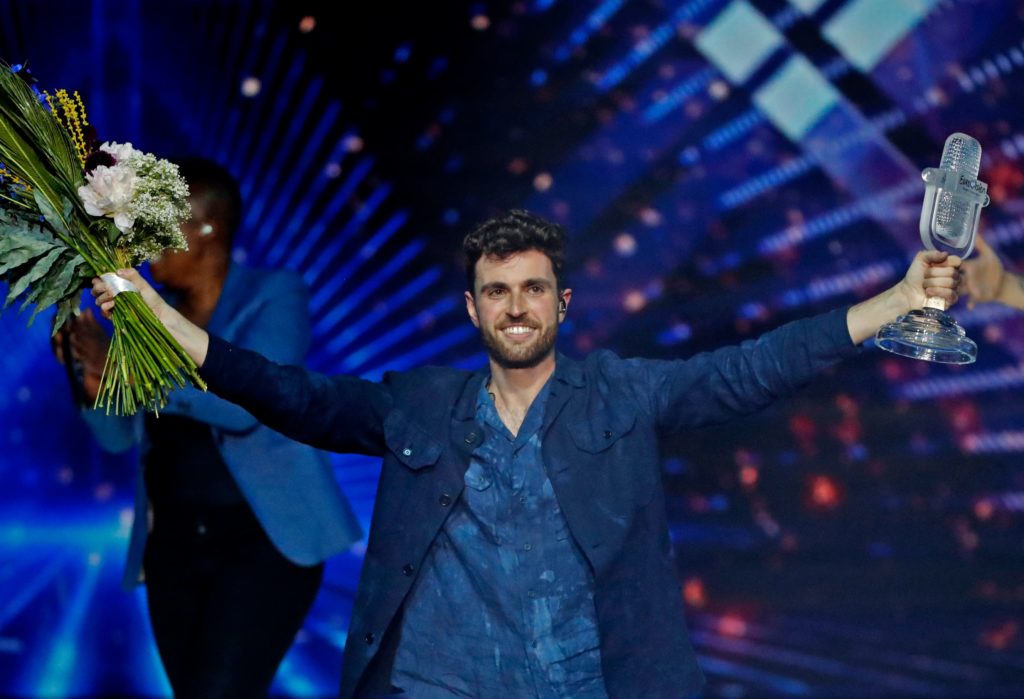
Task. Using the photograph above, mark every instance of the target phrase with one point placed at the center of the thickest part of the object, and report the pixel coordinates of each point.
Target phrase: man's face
(175, 268)
(516, 307)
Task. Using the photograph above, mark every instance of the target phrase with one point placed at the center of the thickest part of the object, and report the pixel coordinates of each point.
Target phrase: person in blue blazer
(232, 520)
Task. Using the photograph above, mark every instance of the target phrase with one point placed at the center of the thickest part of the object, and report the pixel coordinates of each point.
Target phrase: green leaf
(38, 244)
(65, 309)
(61, 281)
(17, 258)
(82, 278)
(69, 281)
(22, 241)
(20, 227)
(38, 269)
(58, 222)
(16, 220)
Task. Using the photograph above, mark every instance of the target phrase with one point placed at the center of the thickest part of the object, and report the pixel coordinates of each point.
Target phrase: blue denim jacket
(600, 435)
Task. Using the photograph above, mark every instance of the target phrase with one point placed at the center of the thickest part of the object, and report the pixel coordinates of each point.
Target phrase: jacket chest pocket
(411, 445)
(598, 436)
(619, 464)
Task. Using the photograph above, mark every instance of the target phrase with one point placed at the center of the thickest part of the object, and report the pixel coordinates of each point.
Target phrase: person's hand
(104, 296)
(984, 275)
(932, 274)
(193, 339)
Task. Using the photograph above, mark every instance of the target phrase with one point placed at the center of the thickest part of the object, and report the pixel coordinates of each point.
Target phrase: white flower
(121, 151)
(146, 197)
(109, 192)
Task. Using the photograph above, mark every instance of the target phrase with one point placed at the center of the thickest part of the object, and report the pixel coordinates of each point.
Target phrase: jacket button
(407, 569)
(607, 434)
(470, 438)
(445, 500)
(370, 638)
(407, 452)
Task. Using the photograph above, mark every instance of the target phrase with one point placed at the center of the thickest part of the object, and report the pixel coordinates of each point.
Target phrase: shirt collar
(567, 371)
(487, 413)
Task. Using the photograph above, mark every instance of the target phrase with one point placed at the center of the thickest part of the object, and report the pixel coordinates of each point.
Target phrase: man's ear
(563, 303)
(471, 308)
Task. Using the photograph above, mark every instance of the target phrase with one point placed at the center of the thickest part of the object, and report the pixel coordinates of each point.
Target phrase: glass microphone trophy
(953, 200)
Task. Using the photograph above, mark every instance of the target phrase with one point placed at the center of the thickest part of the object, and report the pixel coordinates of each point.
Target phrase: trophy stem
(929, 334)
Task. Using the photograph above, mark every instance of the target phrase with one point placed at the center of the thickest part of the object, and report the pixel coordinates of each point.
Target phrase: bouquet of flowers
(72, 209)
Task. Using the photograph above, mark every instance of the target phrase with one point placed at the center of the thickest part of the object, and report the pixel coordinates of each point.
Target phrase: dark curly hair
(513, 232)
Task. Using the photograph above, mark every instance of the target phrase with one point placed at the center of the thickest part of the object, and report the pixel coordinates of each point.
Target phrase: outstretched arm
(336, 413)
(275, 324)
(712, 387)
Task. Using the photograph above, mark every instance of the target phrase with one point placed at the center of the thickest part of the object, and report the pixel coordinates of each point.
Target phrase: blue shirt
(504, 605)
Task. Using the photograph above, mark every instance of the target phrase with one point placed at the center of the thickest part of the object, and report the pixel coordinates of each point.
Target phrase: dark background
(863, 538)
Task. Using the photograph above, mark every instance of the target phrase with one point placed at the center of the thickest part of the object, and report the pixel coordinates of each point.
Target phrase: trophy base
(928, 334)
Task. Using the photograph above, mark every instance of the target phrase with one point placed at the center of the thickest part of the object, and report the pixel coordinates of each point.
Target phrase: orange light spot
(624, 244)
(749, 476)
(983, 509)
(1001, 636)
(634, 301)
(543, 181)
(732, 625)
(694, 593)
(824, 492)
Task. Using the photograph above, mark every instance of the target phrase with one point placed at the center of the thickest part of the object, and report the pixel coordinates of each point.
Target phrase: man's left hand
(932, 274)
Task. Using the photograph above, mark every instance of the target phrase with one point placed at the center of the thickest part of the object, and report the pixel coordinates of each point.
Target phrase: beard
(519, 356)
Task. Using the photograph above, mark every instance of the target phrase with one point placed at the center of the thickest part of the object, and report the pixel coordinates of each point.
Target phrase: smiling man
(519, 544)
